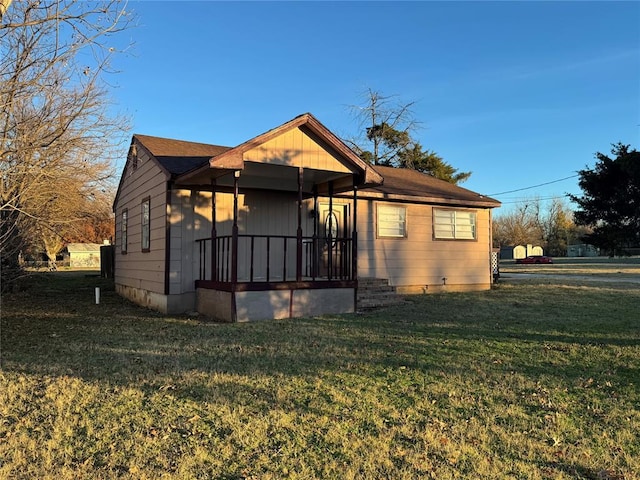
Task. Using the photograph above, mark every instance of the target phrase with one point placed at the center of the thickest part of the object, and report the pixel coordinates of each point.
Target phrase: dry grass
(620, 268)
(536, 381)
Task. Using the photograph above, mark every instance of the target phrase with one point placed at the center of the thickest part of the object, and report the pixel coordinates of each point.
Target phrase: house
(84, 255)
(285, 224)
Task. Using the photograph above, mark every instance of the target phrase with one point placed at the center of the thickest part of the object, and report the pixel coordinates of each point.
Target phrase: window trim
(455, 238)
(379, 207)
(145, 228)
(124, 230)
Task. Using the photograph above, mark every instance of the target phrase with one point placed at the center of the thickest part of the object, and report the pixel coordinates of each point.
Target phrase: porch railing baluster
(284, 260)
(268, 256)
(335, 262)
(251, 265)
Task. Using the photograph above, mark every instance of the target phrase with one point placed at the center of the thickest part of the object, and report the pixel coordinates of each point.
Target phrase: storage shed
(84, 255)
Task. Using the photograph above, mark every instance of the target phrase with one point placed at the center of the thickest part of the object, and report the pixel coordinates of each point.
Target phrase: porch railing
(273, 258)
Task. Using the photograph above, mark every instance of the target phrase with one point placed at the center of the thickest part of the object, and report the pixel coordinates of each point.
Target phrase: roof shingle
(411, 183)
(179, 156)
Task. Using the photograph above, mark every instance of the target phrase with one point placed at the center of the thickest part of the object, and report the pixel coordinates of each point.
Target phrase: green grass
(526, 381)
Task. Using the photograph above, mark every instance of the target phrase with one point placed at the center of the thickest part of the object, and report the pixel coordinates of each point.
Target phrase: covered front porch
(281, 245)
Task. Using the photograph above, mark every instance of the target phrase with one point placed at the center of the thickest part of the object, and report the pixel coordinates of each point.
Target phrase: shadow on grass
(54, 328)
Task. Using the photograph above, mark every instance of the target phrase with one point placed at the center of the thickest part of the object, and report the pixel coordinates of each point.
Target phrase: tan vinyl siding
(259, 213)
(143, 270)
(185, 229)
(295, 148)
(418, 259)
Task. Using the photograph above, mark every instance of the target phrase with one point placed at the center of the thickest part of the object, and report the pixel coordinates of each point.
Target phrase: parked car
(535, 259)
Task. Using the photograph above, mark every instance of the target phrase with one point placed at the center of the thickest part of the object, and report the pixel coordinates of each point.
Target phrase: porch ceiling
(257, 175)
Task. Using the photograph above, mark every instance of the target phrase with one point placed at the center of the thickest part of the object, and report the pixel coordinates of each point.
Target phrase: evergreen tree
(610, 202)
(389, 128)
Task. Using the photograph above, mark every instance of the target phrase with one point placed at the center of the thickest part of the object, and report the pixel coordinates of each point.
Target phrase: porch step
(376, 293)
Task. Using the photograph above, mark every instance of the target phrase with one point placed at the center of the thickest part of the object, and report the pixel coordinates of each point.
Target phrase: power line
(534, 186)
(524, 200)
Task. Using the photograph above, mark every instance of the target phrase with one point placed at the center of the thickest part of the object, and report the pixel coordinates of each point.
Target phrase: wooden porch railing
(273, 258)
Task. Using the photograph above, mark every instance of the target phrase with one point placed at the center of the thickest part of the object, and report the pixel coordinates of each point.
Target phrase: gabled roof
(83, 247)
(232, 158)
(182, 160)
(179, 156)
(407, 184)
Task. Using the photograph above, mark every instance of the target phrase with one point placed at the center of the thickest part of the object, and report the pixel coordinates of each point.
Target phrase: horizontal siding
(418, 259)
(144, 270)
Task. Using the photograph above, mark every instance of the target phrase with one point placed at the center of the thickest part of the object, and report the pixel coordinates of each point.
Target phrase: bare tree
(519, 226)
(387, 128)
(534, 222)
(58, 138)
(384, 123)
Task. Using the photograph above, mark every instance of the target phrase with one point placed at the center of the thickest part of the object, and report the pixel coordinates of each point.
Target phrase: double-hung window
(392, 221)
(146, 224)
(454, 224)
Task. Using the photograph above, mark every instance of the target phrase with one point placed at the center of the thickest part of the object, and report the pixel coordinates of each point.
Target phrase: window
(146, 224)
(392, 221)
(123, 230)
(454, 224)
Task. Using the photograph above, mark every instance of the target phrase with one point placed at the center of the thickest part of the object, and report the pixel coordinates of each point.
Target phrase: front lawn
(527, 381)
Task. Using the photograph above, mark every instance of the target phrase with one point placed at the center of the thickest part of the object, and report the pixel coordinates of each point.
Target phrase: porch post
(214, 233)
(330, 236)
(354, 248)
(234, 231)
(234, 248)
(299, 232)
(315, 267)
(354, 236)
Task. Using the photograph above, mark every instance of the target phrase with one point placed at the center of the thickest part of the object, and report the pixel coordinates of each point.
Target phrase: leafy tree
(610, 203)
(57, 135)
(429, 162)
(388, 129)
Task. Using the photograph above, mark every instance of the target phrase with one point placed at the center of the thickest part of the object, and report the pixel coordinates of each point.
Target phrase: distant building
(520, 251)
(582, 250)
(84, 255)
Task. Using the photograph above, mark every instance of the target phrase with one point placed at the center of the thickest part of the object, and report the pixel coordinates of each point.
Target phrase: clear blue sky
(520, 93)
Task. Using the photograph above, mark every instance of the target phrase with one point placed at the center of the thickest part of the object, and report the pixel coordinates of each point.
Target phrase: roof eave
(487, 203)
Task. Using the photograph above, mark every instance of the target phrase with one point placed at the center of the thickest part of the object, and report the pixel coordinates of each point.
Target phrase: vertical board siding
(295, 148)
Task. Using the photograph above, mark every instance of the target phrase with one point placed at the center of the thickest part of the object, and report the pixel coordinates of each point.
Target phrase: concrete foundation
(167, 304)
(273, 304)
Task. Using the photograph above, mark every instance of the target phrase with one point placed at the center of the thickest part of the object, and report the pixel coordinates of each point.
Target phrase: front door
(335, 246)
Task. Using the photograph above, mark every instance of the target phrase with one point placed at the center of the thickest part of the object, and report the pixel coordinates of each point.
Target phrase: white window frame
(391, 221)
(452, 224)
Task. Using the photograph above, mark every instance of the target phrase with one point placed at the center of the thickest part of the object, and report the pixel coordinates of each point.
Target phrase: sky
(519, 93)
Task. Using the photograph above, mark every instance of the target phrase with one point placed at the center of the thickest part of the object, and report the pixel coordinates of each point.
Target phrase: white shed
(84, 255)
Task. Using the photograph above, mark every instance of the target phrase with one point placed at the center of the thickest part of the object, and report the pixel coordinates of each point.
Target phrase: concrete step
(375, 293)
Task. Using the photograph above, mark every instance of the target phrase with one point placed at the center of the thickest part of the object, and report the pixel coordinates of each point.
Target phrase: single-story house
(285, 224)
(84, 255)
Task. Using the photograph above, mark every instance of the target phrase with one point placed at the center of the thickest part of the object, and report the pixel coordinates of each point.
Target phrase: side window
(123, 230)
(454, 224)
(392, 221)
(146, 224)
